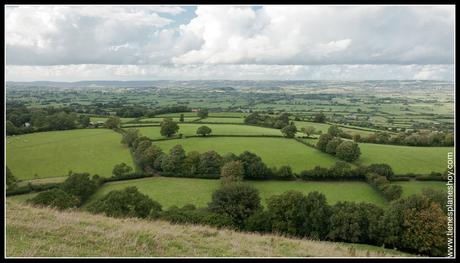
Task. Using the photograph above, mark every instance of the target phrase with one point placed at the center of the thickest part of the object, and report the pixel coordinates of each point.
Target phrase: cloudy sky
(71, 43)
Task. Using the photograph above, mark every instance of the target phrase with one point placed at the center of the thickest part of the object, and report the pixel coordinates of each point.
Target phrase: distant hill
(32, 232)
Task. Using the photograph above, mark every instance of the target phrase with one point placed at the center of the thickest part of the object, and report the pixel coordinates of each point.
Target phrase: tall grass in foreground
(46, 232)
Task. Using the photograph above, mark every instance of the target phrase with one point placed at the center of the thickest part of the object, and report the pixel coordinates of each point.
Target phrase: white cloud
(233, 72)
(283, 35)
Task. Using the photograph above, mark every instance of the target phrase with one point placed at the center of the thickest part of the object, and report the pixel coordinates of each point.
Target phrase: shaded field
(273, 151)
(217, 129)
(406, 159)
(170, 191)
(415, 187)
(54, 154)
(43, 232)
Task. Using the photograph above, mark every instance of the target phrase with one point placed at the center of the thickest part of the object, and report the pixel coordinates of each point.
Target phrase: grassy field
(160, 119)
(123, 120)
(414, 187)
(323, 127)
(170, 191)
(43, 232)
(217, 129)
(406, 159)
(274, 151)
(222, 120)
(53, 154)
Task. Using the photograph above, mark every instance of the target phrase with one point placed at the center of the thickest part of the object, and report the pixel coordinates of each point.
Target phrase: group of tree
(416, 224)
(332, 144)
(277, 122)
(142, 111)
(414, 139)
(202, 113)
(73, 192)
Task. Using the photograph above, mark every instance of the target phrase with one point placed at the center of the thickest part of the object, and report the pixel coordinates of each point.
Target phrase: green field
(414, 187)
(222, 120)
(180, 191)
(406, 159)
(217, 129)
(273, 151)
(53, 154)
(160, 119)
(323, 127)
(123, 120)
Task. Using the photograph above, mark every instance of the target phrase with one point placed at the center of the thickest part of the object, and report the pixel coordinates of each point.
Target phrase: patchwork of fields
(54, 154)
(273, 151)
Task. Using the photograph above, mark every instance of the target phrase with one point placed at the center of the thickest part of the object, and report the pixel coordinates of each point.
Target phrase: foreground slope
(45, 232)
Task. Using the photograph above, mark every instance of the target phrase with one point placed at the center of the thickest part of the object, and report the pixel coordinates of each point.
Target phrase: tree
(232, 172)
(332, 145)
(289, 131)
(113, 122)
(253, 165)
(191, 163)
(417, 224)
(237, 200)
(323, 141)
(356, 137)
(449, 139)
(334, 131)
(168, 127)
(175, 161)
(84, 120)
(309, 130)
(121, 169)
(295, 214)
(319, 117)
(128, 202)
(210, 163)
(348, 151)
(202, 113)
(284, 172)
(130, 136)
(382, 169)
(80, 185)
(181, 118)
(11, 180)
(11, 129)
(203, 130)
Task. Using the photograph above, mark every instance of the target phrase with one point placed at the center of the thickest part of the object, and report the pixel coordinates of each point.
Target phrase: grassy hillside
(273, 151)
(33, 232)
(53, 154)
(181, 191)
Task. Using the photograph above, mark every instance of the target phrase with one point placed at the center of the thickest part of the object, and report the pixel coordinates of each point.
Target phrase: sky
(272, 42)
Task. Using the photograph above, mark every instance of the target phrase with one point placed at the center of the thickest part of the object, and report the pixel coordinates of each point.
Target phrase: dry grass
(44, 232)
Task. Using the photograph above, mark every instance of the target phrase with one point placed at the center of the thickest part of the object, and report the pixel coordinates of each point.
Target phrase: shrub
(258, 222)
(121, 169)
(381, 169)
(237, 200)
(128, 202)
(191, 215)
(284, 172)
(203, 131)
(55, 198)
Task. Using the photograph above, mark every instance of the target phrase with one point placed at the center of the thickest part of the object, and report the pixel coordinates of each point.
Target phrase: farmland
(219, 129)
(406, 159)
(288, 152)
(54, 154)
(182, 191)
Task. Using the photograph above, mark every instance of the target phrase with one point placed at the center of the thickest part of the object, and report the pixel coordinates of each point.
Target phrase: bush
(232, 171)
(55, 198)
(191, 215)
(284, 173)
(258, 222)
(237, 200)
(128, 202)
(348, 151)
(381, 169)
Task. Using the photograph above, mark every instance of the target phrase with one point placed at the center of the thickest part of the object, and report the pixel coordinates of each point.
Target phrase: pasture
(217, 129)
(54, 154)
(170, 191)
(273, 151)
(406, 159)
